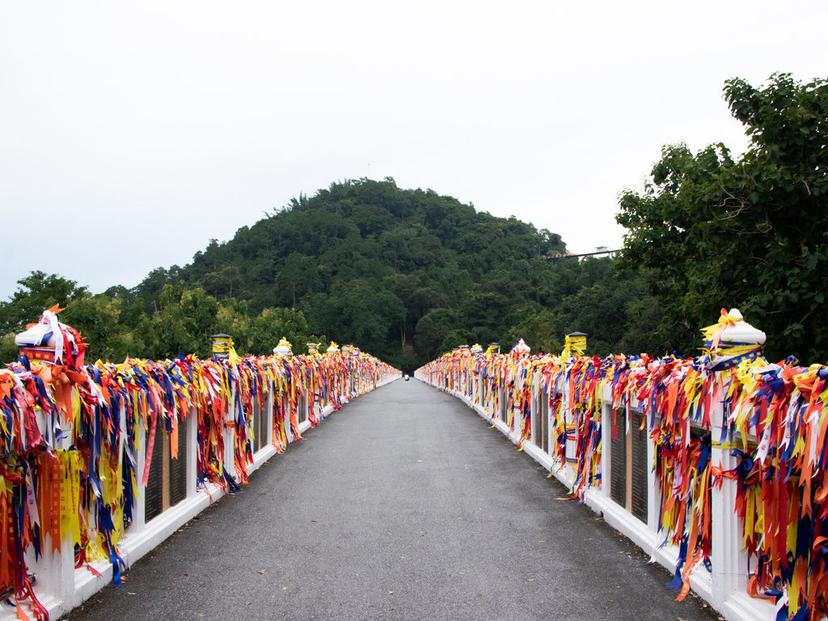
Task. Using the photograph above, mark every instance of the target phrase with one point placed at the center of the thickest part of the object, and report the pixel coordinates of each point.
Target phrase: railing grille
(155, 484)
(618, 459)
(178, 468)
(640, 487)
(259, 424)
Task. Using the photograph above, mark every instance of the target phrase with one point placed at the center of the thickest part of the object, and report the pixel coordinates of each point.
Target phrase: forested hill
(404, 274)
(393, 254)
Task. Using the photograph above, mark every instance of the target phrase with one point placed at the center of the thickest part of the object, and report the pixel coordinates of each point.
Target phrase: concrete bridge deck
(403, 506)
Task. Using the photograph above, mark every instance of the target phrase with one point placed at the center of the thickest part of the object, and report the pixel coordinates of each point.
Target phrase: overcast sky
(132, 133)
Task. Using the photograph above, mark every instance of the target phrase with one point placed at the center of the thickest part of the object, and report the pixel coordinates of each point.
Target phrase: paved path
(402, 506)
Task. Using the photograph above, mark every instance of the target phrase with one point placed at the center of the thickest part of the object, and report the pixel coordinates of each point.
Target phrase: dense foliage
(407, 274)
(752, 231)
(404, 274)
(116, 323)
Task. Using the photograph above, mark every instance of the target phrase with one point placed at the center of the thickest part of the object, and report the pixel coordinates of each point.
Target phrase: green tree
(233, 318)
(297, 276)
(432, 329)
(712, 230)
(224, 281)
(99, 320)
(36, 292)
(183, 323)
(272, 324)
(539, 327)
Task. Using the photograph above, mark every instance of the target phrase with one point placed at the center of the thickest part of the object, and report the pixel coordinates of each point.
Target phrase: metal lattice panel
(153, 494)
(618, 459)
(640, 467)
(178, 468)
(259, 424)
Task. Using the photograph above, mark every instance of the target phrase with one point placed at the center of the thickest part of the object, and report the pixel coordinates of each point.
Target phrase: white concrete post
(191, 429)
(288, 428)
(652, 482)
(728, 558)
(569, 449)
(139, 512)
(55, 572)
(269, 412)
(545, 387)
(606, 441)
(534, 412)
(228, 433)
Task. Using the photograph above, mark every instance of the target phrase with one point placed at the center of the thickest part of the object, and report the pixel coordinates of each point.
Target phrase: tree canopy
(404, 274)
(712, 230)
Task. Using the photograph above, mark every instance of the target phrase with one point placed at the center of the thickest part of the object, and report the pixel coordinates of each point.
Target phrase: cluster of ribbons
(71, 436)
(771, 420)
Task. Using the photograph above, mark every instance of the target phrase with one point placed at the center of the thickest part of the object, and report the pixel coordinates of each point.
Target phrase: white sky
(132, 133)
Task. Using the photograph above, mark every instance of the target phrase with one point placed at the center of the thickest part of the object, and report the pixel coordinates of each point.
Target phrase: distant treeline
(407, 274)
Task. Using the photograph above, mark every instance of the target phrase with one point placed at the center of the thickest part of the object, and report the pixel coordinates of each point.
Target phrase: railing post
(728, 558)
(652, 481)
(55, 572)
(269, 412)
(570, 470)
(286, 406)
(228, 433)
(139, 511)
(606, 440)
(191, 429)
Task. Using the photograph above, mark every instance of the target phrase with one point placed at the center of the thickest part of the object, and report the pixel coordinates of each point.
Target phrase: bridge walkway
(402, 506)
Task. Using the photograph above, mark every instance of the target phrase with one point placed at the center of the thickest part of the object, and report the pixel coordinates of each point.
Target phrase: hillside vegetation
(404, 274)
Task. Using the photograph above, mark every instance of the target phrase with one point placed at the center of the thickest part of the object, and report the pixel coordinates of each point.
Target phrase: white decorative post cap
(521, 348)
(731, 340)
(47, 340)
(283, 348)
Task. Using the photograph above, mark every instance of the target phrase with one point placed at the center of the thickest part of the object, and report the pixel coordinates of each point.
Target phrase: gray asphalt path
(402, 506)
